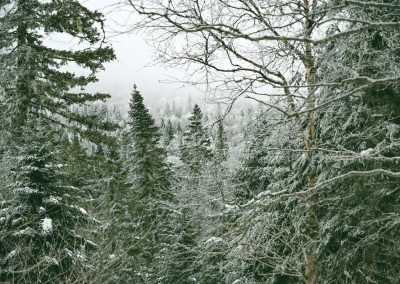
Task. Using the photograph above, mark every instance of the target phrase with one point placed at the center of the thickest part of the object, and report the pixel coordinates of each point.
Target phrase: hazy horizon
(134, 63)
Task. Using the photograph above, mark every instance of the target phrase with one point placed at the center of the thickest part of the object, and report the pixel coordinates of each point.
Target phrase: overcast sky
(133, 59)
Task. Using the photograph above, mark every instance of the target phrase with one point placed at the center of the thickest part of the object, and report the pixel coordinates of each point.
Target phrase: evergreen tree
(221, 147)
(162, 124)
(41, 219)
(273, 247)
(149, 172)
(111, 207)
(169, 133)
(36, 100)
(149, 177)
(195, 149)
(358, 212)
(179, 256)
(32, 77)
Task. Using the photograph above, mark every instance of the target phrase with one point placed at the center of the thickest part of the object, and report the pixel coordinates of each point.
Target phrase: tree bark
(310, 272)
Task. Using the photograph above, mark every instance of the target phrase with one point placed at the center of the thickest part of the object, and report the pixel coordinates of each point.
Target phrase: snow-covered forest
(289, 172)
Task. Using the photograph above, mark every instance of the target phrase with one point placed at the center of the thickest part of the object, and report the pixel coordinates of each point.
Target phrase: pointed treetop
(196, 114)
(149, 172)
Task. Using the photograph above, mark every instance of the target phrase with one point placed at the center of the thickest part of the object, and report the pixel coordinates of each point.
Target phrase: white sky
(133, 59)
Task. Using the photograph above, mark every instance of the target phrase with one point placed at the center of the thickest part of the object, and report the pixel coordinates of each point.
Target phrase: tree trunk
(310, 272)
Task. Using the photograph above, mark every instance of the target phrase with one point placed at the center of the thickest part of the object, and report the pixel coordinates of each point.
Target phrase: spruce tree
(266, 258)
(179, 263)
(111, 207)
(358, 213)
(149, 177)
(168, 133)
(40, 240)
(221, 147)
(33, 78)
(149, 172)
(195, 149)
(41, 219)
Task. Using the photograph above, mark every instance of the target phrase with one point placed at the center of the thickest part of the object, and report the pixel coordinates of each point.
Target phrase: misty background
(135, 63)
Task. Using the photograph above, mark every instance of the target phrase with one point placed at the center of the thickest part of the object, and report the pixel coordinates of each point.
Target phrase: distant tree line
(303, 190)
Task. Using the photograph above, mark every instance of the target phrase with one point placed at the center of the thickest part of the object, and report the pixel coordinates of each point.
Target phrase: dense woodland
(290, 175)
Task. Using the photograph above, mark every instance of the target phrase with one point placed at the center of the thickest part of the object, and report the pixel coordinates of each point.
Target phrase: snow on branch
(285, 193)
(371, 173)
(371, 4)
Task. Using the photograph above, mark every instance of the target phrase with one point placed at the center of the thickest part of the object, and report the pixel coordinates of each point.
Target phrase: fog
(135, 61)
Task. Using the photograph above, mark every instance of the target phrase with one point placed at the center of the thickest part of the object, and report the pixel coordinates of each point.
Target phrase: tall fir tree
(179, 263)
(41, 221)
(33, 78)
(37, 99)
(162, 124)
(149, 177)
(149, 172)
(221, 145)
(168, 133)
(110, 204)
(195, 149)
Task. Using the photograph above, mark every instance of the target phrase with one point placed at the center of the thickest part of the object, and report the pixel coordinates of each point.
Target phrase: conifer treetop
(150, 173)
(34, 75)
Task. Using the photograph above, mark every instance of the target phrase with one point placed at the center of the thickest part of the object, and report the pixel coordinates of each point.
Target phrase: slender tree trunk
(310, 273)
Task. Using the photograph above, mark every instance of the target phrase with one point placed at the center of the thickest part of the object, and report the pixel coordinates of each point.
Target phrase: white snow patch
(27, 232)
(91, 243)
(367, 152)
(51, 260)
(214, 240)
(83, 211)
(47, 225)
(80, 256)
(27, 190)
(174, 160)
(53, 200)
(230, 207)
(11, 254)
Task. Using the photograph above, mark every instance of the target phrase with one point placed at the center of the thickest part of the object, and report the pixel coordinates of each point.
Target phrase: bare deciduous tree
(270, 51)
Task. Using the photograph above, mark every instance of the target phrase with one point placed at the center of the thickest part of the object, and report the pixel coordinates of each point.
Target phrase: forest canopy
(287, 173)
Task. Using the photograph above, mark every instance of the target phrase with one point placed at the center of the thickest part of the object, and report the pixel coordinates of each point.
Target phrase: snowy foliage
(303, 190)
